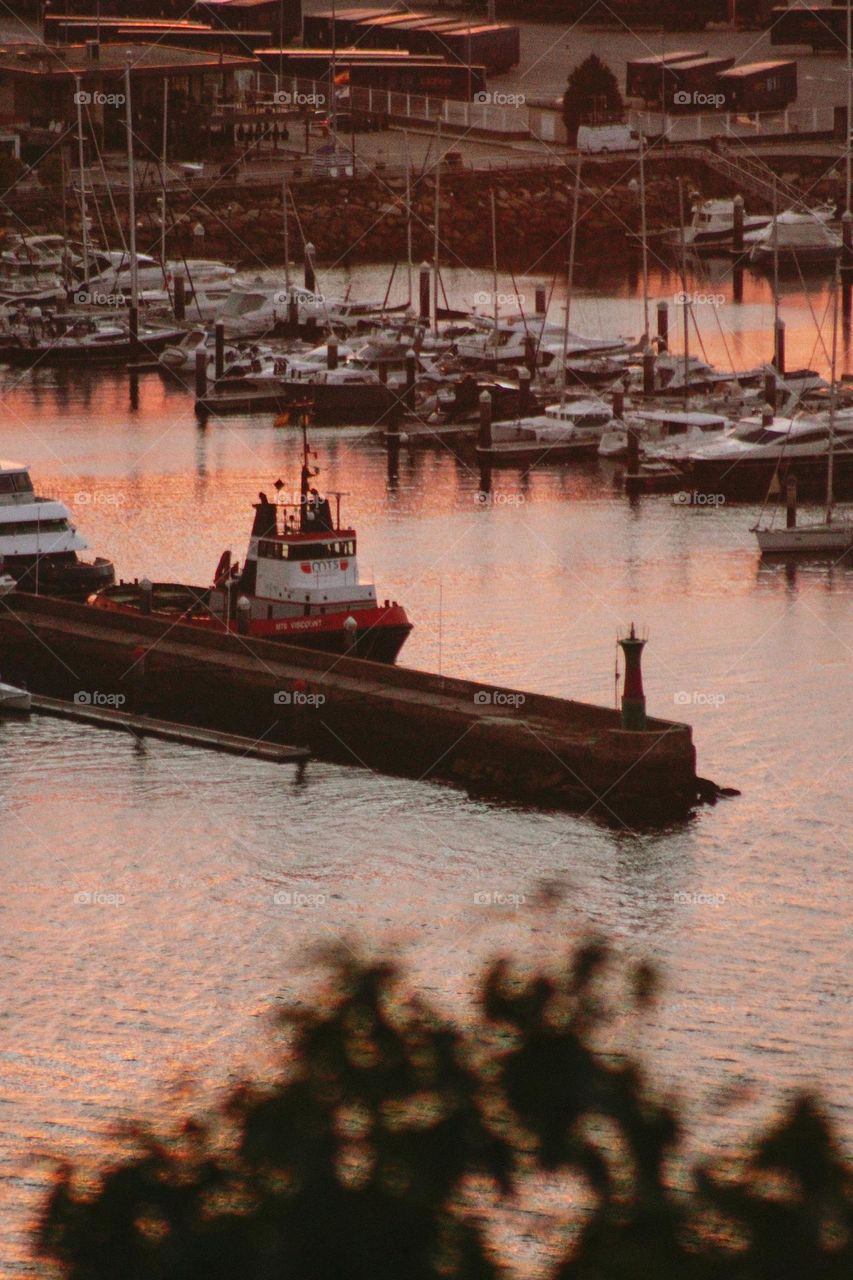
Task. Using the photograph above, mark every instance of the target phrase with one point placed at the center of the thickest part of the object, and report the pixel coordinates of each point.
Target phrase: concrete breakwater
(365, 220)
(516, 745)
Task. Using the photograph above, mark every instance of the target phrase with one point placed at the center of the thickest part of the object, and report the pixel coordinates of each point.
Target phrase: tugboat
(39, 544)
(299, 584)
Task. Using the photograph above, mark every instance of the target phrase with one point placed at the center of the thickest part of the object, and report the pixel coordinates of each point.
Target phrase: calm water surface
(109, 1009)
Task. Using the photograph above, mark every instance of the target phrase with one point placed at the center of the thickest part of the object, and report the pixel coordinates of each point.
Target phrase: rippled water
(170, 970)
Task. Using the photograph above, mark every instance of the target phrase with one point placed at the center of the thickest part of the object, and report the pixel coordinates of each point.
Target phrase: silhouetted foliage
(391, 1131)
(592, 95)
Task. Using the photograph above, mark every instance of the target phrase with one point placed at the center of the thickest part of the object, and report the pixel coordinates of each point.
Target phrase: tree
(592, 94)
(393, 1131)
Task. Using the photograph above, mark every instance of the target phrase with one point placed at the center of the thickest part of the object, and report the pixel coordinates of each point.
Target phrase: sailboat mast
(775, 273)
(163, 183)
(436, 239)
(830, 462)
(286, 218)
(83, 214)
(494, 263)
(570, 278)
(643, 240)
(684, 297)
(131, 211)
(408, 214)
(849, 106)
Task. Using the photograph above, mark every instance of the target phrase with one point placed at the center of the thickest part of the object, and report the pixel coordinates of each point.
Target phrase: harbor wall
(364, 219)
(515, 745)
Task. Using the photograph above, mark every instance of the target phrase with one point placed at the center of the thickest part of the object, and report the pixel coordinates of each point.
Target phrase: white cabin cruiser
(663, 434)
(39, 545)
(712, 225)
(744, 461)
(254, 308)
(794, 237)
(570, 429)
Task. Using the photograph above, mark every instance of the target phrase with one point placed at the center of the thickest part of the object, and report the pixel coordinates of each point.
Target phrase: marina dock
(521, 746)
(168, 731)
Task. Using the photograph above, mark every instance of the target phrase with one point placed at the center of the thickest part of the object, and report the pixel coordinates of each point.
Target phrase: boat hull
(52, 355)
(380, 632)
(806, 540)
(751, 478)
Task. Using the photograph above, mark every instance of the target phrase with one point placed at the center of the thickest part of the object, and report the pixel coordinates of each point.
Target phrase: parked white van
(607, 137)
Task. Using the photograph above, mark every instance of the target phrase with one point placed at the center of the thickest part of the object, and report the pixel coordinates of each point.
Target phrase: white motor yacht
(39, 545)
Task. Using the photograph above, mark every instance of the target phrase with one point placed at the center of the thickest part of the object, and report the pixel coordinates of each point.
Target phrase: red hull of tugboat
(380, 635)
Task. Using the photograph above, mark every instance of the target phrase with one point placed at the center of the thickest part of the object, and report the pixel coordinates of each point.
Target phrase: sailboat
(828, 536)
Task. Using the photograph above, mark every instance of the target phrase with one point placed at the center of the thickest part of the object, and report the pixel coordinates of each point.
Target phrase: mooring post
(648, 372)
(633, 697)
(770, 388)
(737, 224)
(244, 615)
(350, 632)
(411, 370)
(146, 595)
(791, 502)
(484, 439)
(633, 452)
(779, 348)
(424, 291)
(180, 298)
(524, 379)
(332, 353)
(618, 402)
(663, 324)
(767, 415)
(310, 277)
(541, 300)
(219, 349)
(200, 374)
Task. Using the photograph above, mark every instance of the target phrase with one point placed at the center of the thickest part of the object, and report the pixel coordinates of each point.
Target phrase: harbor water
(159, 902)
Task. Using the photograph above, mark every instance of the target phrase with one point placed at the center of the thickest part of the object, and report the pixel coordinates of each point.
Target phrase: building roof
(756, 68)
(64, 60)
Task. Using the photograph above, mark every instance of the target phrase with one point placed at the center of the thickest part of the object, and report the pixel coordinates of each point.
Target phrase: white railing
(297, 94)
(731, 124)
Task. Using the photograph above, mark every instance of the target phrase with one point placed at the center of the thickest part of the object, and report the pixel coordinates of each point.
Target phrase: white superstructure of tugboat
(299, 584)
(39, 544)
